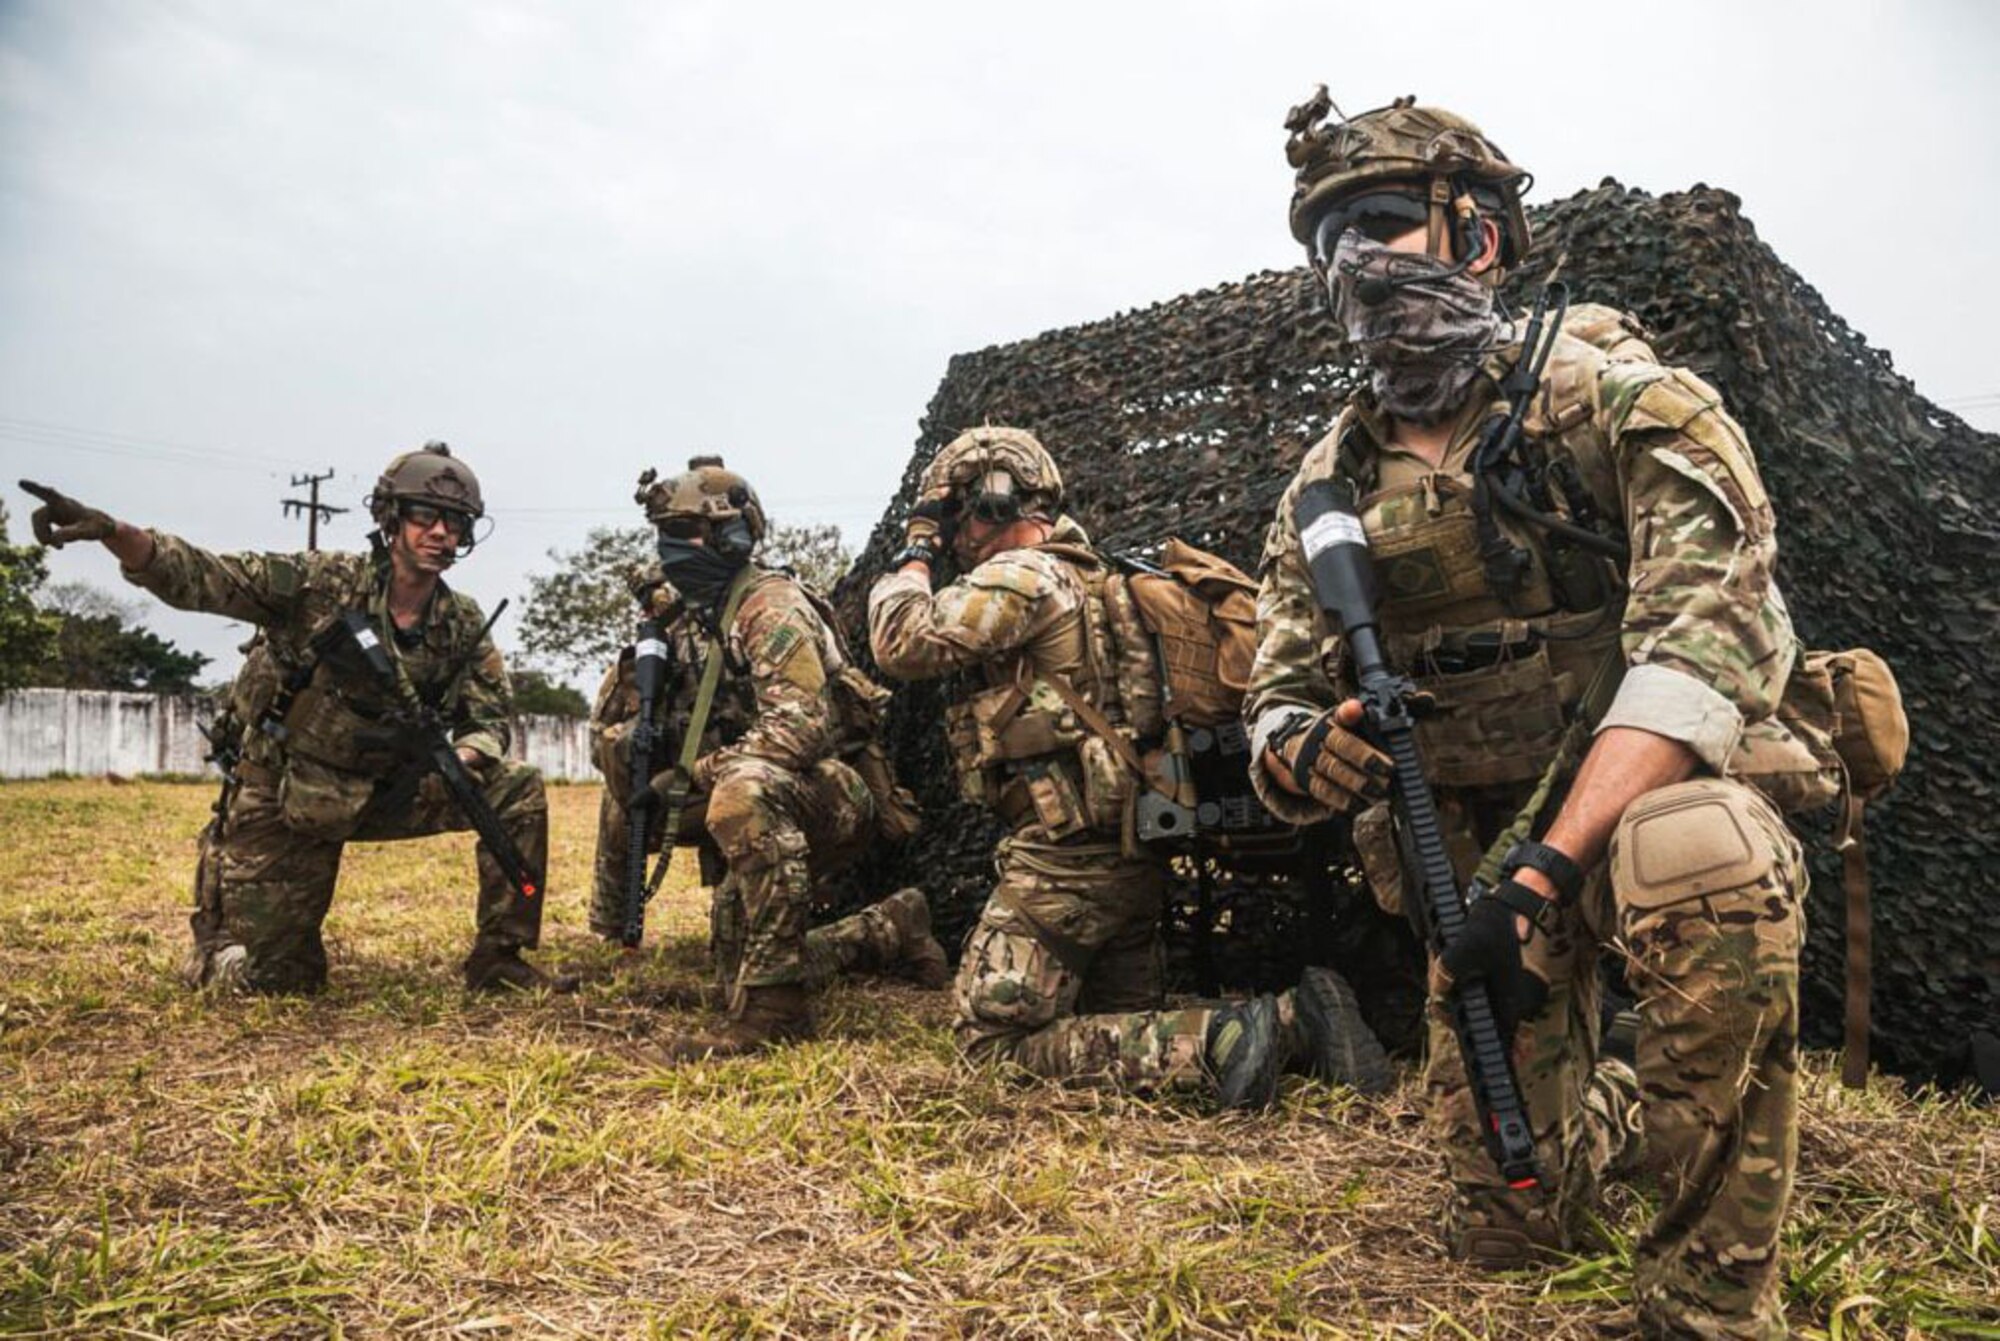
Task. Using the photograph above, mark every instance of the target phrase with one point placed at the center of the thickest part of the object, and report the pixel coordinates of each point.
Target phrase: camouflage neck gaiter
(1425, 338)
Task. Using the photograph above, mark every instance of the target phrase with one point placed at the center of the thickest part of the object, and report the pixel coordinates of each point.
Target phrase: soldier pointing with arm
(1576, 556)
(321, 761)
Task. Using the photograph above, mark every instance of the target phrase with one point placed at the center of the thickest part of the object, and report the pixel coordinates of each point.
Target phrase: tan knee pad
(1697, 839)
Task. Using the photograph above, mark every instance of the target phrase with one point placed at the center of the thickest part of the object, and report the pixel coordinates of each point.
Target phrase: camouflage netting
(1189, 417)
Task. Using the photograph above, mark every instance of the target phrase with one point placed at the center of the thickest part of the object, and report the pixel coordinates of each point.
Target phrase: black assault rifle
(649, 672)
(423, 734)
(1343, 577)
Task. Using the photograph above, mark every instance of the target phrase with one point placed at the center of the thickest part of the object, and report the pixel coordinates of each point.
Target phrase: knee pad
(1701, 839)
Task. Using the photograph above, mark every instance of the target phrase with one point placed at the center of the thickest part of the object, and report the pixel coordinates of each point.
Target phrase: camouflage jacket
(1697, 618)
(777, 697)
(1018, 621)
(1002, 609)
(292, 599)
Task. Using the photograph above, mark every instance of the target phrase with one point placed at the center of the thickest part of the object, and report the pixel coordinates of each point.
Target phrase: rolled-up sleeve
(1707, 639)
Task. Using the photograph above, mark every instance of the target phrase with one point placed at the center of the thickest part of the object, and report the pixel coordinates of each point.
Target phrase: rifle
(1343, 578)
(649, 670)
(425, 737)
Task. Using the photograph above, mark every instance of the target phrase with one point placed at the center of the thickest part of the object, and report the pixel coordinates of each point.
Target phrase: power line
(104, 440)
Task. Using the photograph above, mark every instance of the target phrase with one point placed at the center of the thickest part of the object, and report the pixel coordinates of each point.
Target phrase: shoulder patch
(1709, 440)
(1022, 572)
(283, 576)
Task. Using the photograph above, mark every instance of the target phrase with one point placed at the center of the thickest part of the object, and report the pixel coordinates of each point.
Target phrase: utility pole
(311, 506)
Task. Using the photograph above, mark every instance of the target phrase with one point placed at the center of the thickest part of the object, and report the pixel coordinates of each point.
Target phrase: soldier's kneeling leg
(516, 793)
(272, 887)
(751, 818)
(1709, 885)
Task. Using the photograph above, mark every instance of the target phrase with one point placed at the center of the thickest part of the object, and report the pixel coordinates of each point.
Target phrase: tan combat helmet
(430, 475)
(1000, 469)
(706, 492)
(1440, 154)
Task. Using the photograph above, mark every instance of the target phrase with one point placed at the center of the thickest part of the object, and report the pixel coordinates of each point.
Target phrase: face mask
(697, 572)
(1426, 336)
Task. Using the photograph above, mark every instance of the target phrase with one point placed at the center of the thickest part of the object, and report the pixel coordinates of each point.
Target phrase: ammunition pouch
(323, 725)
(320, 801)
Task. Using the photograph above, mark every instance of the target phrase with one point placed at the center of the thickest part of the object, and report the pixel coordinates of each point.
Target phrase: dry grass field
(394, 1158)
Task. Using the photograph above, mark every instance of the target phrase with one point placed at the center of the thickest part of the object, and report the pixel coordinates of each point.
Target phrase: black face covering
(697, 572)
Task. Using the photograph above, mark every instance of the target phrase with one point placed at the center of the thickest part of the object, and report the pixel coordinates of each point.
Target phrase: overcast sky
(240, 241)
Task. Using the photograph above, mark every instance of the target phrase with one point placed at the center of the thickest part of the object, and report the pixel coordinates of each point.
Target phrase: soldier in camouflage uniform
(1073, 924)
(1657, 842)
(319, 764)
(790, 787)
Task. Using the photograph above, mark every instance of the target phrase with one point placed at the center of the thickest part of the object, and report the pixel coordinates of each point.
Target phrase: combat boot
(917, 956)
(770, 1016)
(1330, 1041)
(500, 968)
(1242, 1051)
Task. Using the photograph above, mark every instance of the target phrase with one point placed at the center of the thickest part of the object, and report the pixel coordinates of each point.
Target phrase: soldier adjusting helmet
(428, 478)
(706, 501)
(995, 474)
(1417, 164)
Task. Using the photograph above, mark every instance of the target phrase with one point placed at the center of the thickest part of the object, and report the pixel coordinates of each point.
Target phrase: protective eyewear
(684, 528)
(423, 516)
(1379, 216)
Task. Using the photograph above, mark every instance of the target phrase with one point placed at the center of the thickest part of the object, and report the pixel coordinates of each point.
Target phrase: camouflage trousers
(1063, 974)
(1703, 892)
(263, 883)
(781, 835)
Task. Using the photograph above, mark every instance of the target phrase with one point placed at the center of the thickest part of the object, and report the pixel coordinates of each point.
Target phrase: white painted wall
(85, 732)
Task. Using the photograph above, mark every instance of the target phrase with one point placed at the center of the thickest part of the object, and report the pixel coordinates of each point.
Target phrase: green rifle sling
(704, 700)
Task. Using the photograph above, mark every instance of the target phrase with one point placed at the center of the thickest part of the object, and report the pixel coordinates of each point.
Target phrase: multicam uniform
(311, 777)
(1703, 883)
(1073, 921)
(778, 792)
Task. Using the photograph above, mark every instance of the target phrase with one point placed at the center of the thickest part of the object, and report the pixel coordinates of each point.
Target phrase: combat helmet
(707, 493)
(430, 475)
(1442, 154)
(997, 472)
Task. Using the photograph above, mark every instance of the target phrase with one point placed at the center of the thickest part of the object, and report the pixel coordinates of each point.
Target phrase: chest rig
(317, 702)
(1022, 747)
(1499, 592)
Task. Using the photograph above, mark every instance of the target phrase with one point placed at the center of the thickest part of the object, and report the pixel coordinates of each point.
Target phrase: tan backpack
(1847, 705)
(1199, 613)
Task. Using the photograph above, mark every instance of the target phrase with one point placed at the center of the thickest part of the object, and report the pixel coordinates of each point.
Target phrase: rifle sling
(1575, 744)
(697, 723)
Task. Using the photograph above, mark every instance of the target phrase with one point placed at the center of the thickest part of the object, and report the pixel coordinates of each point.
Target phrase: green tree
(27, 633)
(98, 645)
(813, 552)
(579, 616)
(536, 695)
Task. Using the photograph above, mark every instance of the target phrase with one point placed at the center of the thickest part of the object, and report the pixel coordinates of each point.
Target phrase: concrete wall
(83, 732)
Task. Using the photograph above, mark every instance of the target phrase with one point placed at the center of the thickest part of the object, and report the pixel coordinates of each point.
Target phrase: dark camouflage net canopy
(1188, 418)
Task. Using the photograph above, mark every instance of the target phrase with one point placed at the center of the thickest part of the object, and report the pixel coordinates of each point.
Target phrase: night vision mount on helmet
(1461, 175)
(707, 500)
(995, 474)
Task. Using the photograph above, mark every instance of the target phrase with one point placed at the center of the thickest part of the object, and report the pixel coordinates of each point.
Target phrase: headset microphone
(1375, 289)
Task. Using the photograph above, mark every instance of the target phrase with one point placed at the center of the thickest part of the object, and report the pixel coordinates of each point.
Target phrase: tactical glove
(62, 519)
(1488, 948)
(1331, 764)
(923, 533)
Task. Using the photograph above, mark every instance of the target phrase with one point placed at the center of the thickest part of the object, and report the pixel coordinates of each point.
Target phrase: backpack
(1185, 630)
(1851, 711)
